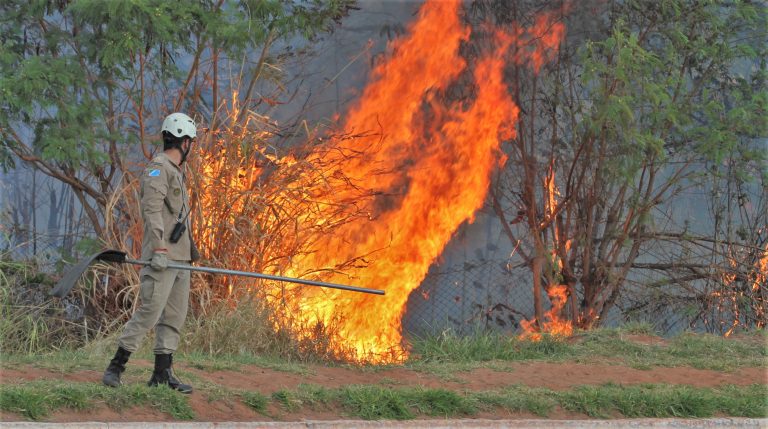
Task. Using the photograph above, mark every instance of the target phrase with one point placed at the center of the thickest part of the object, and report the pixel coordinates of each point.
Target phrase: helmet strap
(184, 153)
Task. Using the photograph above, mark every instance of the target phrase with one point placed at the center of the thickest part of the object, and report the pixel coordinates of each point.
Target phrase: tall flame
(427, 164)
(434, 171)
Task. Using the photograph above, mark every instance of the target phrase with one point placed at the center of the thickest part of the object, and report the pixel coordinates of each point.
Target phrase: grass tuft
(747, 401)
(287, 399)
(31, 403)
(375, 403)
(315, 395)
(638, 328)
(589, 400)
(441, 403)
(486, 346)
(226, 330)
(72, 397)
(255, 401)
(38, 399)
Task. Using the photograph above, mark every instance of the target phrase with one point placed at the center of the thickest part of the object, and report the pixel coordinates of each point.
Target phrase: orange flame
(558, 294)
(552, 324)
(427, 163)
(732, 295)
(761, 270)
(435, 170)
(761, 281)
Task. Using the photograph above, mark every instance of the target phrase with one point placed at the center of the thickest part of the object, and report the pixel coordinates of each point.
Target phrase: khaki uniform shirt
(164, 201)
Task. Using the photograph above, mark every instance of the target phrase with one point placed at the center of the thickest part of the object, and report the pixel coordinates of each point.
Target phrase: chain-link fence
(477, 294)
(490, 294)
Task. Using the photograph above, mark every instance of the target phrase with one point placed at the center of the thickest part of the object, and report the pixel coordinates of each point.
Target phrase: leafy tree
(84, 83)
(646, 103)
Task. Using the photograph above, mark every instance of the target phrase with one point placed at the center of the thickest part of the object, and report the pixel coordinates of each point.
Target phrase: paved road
(416, 424)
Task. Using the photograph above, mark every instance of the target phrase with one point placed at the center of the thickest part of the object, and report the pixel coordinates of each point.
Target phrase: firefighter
(164, 291)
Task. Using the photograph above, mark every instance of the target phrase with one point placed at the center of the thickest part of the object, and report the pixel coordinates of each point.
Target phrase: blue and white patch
(154, 173)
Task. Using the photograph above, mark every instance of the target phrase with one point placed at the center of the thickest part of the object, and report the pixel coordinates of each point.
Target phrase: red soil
(557, 376)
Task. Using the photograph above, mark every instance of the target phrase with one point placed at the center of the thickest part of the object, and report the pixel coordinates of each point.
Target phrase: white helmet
(180, 125)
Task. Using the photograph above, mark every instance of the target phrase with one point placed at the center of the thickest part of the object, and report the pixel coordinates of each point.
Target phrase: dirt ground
(556, 376)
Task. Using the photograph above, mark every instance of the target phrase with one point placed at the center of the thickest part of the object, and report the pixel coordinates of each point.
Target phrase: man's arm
(155, 188)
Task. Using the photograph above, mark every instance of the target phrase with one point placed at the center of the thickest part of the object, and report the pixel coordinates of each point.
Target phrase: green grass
(375, 403)
(62, 361)
(718, 353)
(701, 351)
(288, 399)
(666, 401)
(233, 362)
(486, 346)
(447, 353)
(29, 402)
(36, 400)
(443, 355)
(314, 396)
(519, 399)
(371, 402)
(255, 401)
(441, 403)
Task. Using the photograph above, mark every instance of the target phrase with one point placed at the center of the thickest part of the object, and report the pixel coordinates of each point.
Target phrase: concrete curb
(413, 424)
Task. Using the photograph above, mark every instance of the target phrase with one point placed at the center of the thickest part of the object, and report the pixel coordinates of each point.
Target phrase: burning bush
(373, 204)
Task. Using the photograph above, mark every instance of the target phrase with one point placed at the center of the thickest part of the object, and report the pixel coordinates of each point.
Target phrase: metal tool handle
(261, 276)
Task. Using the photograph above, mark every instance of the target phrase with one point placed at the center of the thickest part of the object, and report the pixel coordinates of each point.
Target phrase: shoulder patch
(153, 173)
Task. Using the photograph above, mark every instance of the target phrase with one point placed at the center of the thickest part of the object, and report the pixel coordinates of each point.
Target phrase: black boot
(163, 374)
(116, 367)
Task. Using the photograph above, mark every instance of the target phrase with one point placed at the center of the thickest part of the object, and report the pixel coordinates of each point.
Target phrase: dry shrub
(221, 328)
(257, 207)
(30, 323)
(110, 292)
(97, 308)
(249, 326)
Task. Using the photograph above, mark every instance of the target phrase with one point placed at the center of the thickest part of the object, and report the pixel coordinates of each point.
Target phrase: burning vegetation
(624, 164)
(374, 203)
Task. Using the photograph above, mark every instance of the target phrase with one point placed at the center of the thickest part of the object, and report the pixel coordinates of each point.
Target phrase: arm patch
(154, 173)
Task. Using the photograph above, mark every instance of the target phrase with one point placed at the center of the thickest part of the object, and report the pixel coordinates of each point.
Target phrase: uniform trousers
(164, 303)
